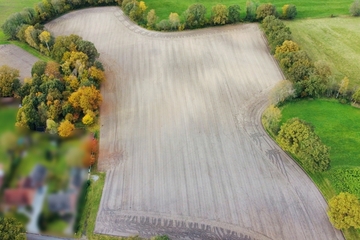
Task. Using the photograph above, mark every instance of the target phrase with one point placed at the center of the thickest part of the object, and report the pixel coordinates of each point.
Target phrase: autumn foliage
(91, 147)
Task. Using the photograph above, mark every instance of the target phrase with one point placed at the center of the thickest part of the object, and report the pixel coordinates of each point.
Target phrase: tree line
(195, 15)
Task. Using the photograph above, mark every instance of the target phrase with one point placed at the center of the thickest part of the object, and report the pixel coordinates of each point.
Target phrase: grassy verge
(338, 127)
(333, 40)
(90, 210)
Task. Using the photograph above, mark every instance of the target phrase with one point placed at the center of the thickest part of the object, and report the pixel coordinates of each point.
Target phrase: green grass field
(338, 127)
(334, 40)
(305, 8)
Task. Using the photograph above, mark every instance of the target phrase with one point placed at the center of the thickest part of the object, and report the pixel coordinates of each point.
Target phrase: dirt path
(15, 57)
(181, 139)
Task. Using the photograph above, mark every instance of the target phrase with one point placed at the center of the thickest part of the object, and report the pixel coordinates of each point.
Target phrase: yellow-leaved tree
(344, 211)
(86, 98)
(66, 128)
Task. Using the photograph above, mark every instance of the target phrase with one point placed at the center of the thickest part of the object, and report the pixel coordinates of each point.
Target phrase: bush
(355, 8)
(289, 11)
(219, 14)
(271, 119)
(298, 137)
(234, 13)
(344, 211)
(264, 10)
(195, 16)
(251, 11)
(163, 25)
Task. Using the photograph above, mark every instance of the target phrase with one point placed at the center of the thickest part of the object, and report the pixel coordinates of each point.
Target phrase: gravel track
(17, 58)
(181, 139)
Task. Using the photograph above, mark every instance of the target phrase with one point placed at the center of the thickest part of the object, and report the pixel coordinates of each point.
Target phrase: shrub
(151, 19)
(298, 137)
(355, 8)
(163, 25)
(289, 11)
(271, 119)
(234, 13)
(251, 11)
(264, 10)
(174, 21)
(195, 16)
(219, 14)
(344, 211)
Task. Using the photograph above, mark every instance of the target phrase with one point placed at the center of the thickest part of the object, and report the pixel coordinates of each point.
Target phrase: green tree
(31, 37)
(174, 20)
(195, 16)
(344, 211)
(355, 8)
(9, 81)
(234, 13)
(271, 119)
(219, 14)
(51, 126)
(264, 10)
(38, 68)
(151, 19)
(289, 11)
(299, 138)
(12, 24)
(45, 37)
(11, 229)
(251, 11)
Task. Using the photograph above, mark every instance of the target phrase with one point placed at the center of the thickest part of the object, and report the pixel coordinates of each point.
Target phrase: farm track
(181, 138)
(17, 58)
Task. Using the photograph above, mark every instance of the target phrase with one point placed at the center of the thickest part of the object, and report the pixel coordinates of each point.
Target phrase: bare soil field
(181, 140)
(18, 58)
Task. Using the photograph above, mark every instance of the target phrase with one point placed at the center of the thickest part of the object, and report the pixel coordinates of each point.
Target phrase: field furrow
(181, 137)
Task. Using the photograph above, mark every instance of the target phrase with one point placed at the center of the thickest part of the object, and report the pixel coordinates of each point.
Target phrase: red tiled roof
(19, 197)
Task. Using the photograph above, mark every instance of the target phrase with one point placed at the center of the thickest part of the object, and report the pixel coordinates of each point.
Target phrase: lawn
(338, 127)
(306, 9)
(334, 40)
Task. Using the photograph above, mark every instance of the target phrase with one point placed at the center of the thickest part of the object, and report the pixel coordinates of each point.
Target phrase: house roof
(38, 175)
(61, 202)
(19, 197)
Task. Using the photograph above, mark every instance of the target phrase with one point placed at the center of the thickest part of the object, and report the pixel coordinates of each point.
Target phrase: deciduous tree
(271, 119)
(66, 128)
(195, 16)
(355, 8)
(282, 91)
(11, 229)
(151, 19)
(174, 20)
(9, 81)
(234, 13)
(289, 11)
(344, 211)
(299, 138)
(264, 10)
(86, 98)
(219, 14)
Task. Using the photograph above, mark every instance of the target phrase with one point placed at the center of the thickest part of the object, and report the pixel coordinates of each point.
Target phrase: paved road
(181, 138)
